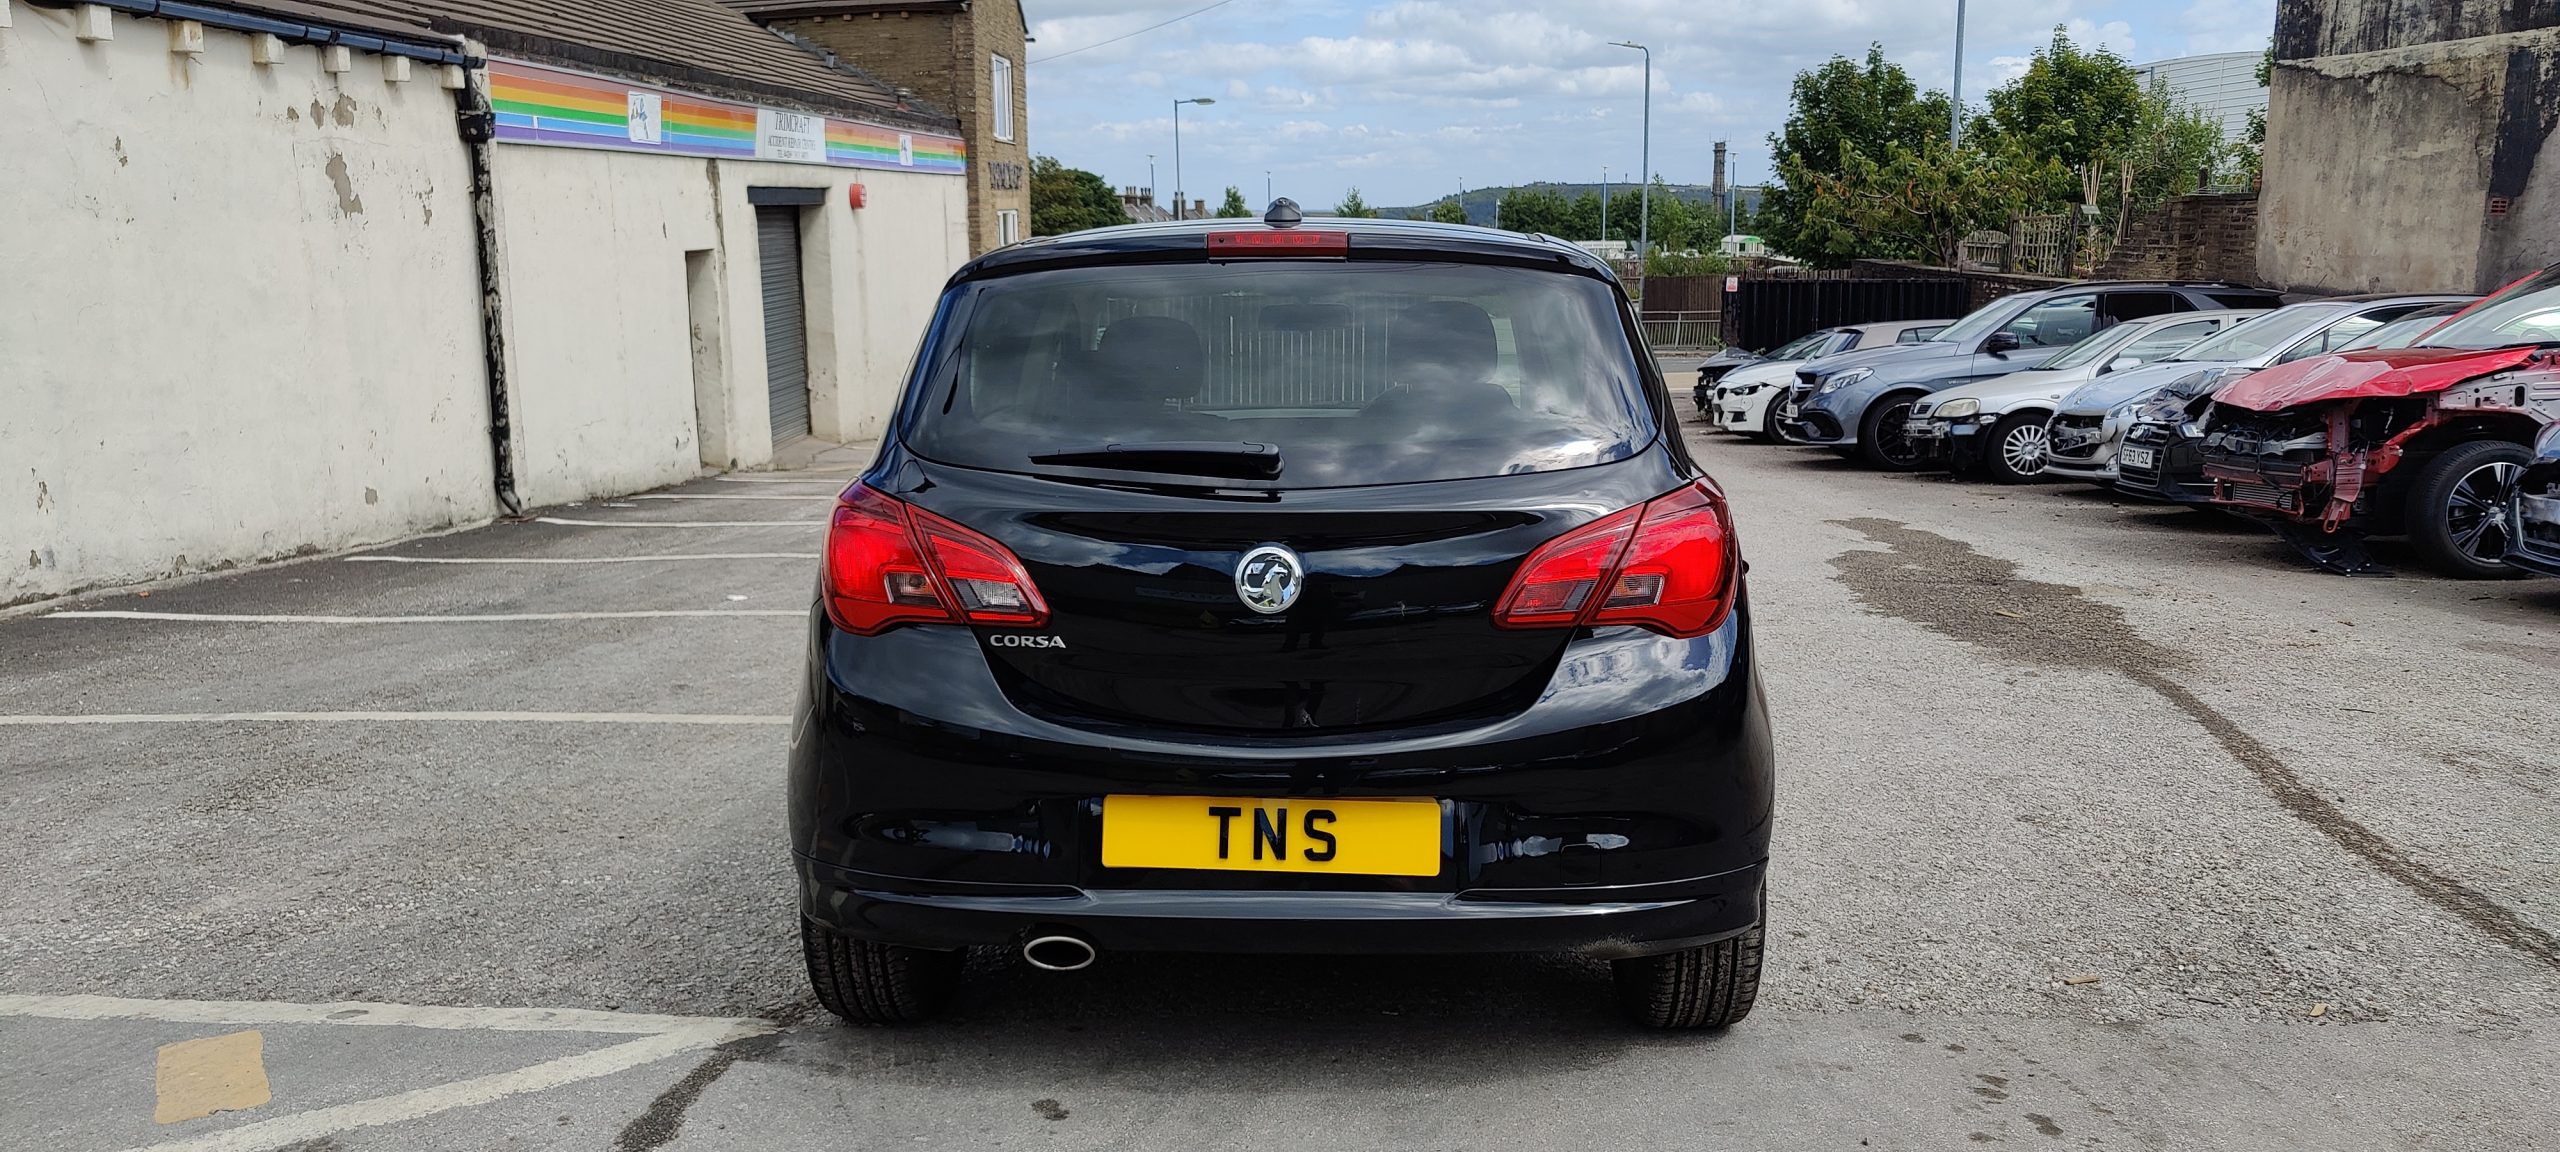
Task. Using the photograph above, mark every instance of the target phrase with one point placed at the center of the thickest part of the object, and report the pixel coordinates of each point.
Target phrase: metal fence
(1762, 314)
(1666, 330)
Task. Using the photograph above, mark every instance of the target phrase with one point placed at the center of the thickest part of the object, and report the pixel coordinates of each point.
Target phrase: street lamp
(1266, 186)
(1644, 226)
(1178, 202)
(1604, 211)
(1955, 96)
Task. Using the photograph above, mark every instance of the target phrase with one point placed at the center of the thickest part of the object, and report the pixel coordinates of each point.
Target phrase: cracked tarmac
(2100, 824)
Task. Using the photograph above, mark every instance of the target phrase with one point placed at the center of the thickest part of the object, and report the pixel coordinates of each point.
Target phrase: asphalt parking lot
(2101, 825)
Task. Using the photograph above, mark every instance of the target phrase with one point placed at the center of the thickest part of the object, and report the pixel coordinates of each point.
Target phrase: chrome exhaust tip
(1058, 954)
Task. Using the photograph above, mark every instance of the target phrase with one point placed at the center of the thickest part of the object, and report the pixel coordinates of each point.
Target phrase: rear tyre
(1882, 443)
(2017, 449)
(2457, 512)
(1710, 986)
(867, 982)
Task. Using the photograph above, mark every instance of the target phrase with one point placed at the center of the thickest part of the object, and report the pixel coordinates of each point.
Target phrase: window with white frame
(1003, 75)
(1008, 226)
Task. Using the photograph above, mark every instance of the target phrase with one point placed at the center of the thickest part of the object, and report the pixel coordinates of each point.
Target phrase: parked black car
(1858, 403)
(2533, 507)
(2158, 458)
(1140, 636)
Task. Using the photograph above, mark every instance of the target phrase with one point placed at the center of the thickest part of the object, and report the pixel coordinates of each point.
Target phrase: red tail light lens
(1668, 565)
(891, 563)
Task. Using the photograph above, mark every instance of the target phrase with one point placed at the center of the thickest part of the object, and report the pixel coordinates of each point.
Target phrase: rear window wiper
(1233, 459)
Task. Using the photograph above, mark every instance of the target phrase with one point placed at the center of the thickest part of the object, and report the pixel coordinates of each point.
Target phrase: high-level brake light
(1279, 242)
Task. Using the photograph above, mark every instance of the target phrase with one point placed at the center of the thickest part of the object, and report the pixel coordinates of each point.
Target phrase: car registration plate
(2138, 457)
(1346, 837)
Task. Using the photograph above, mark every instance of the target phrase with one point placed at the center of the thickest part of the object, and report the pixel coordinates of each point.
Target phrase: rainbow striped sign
(537, 104)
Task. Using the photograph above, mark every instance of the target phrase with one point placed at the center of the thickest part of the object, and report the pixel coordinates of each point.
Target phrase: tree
(2248, 157)
(1677, 224)
(1918, 202)
(1233, 207)
(2171, 150)
(1067, 199)
(1449, 211)
(2079, 108)
(1582, 218)
(1872, 107)
(1536, 210)
(1354, 207)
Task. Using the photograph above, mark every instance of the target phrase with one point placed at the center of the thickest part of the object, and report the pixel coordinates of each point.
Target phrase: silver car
(1740, 401)
(2089, 424)
(1998, 425)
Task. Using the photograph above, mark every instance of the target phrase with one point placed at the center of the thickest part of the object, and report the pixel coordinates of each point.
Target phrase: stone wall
(2191, 238)
(2410, 145)
(946, 57)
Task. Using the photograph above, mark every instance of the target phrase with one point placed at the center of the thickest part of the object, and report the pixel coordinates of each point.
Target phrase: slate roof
(699, 45)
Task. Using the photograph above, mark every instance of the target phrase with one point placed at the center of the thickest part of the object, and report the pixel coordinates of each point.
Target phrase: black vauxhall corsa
(1337, 586)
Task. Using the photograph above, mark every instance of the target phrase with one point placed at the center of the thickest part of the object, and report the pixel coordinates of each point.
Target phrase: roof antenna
(1284, 214)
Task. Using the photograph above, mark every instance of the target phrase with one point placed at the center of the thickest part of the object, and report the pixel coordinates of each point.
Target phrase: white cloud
(2227, 25)
(2115, 36)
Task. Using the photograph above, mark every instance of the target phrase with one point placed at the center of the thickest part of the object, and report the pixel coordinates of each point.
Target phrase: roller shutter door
(786, 350)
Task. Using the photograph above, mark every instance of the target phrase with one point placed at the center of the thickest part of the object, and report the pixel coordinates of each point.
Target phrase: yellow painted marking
(198, 1078)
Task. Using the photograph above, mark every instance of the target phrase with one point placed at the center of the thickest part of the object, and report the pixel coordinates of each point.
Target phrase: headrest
(1441, 342)
(1147, 358)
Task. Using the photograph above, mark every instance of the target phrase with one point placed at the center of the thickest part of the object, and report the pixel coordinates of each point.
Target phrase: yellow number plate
(1350, 837)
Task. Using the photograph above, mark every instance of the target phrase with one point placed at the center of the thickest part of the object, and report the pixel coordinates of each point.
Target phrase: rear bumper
(1630, 921)
(1627, 809)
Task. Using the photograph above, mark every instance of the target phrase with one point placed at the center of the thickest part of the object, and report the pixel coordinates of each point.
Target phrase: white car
(1997, 424)
(1740, 401)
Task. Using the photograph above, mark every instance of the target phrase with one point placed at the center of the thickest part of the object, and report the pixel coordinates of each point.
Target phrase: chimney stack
(1199, 209)
(1720, 188)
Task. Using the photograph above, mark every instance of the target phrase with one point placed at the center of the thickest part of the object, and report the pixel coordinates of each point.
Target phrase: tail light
(891, 563)
(1668, 564)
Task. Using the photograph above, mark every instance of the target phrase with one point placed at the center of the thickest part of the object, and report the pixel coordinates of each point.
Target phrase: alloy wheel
(1892, 442)
(2475, 515)
(2023, 449)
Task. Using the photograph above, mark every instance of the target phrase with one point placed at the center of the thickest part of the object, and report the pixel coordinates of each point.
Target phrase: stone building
(2411, 146)
(964, 57)
(292, 276)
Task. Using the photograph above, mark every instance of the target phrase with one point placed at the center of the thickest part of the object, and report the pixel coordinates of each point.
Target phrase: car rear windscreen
(1358, 372)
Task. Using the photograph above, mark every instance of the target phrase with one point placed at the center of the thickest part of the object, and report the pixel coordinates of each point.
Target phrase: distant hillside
(1479, 202)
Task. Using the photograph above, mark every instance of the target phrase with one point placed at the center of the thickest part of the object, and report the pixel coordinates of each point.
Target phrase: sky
(1406, 100)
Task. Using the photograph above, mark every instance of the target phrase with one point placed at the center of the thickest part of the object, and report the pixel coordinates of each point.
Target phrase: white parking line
(483, 618)
(255, 1013)
(679, 523)
(838, 480)
(302, 1128)
(664, 718)
(734, 496)
(659, 1038)
(580, 559)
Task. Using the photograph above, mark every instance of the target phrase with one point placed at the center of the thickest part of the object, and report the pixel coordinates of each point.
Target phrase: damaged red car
(2425, 442)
